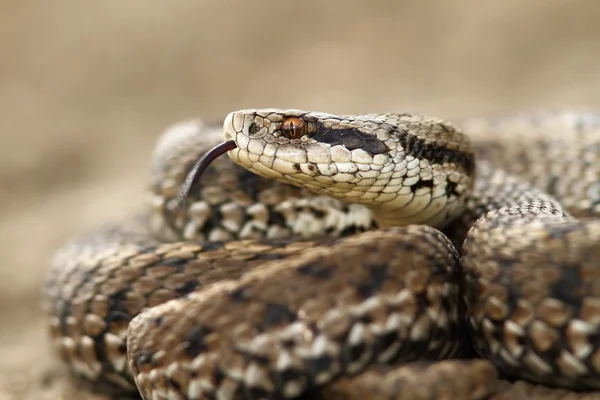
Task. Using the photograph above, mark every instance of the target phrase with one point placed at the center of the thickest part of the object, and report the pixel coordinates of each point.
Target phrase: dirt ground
(86, 87)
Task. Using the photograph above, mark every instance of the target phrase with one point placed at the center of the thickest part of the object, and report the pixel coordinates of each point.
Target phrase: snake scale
(380, 256)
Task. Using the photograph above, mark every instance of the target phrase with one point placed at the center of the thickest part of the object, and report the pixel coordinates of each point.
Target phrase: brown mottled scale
(290, 325)
(531, 268)
(533, 293)
(557, 152)
(420, 381)
(269, 317)
(99, 281)
(91, 303)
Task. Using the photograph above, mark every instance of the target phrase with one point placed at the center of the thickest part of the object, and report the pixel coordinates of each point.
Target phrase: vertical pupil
(293, 128)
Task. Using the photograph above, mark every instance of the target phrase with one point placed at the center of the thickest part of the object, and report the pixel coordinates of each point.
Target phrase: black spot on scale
(142, 358)
(352, 353)
(213, 222)
(386, 341)
(317, 270)
(276, 218)
(119, 311)
(175, 384)
(451, 188)
(378, 275)
(186, 288)
(421, 184)
(194, 338)
(317, 213)
(277, 314)
(282, 377)
(350, 230)
(568, 288)
(210, 246)
(319, 365)
(218, 375)
(116, 319)
(240, 294)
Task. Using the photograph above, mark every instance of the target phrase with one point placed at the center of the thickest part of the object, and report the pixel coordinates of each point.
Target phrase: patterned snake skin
(346, 257)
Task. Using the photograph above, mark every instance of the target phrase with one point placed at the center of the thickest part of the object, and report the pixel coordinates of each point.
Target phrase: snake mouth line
(195, 174)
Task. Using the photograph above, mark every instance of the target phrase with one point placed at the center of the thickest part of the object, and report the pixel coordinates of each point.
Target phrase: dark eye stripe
(352, 139)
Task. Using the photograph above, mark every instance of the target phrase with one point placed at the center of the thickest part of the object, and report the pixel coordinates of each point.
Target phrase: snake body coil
(315, 264)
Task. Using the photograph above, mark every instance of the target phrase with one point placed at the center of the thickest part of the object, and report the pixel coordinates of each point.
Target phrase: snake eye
(293, 128)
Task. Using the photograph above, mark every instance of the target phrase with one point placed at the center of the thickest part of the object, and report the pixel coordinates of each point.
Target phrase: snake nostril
(253, 128)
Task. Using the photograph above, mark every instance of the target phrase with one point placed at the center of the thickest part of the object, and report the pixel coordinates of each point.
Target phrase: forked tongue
(193, 177)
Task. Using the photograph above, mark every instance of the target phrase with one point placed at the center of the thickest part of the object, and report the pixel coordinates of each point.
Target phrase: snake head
(307, 149)
(406, 168)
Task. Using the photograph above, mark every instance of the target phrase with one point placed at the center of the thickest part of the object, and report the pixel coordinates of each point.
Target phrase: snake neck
(432, 213)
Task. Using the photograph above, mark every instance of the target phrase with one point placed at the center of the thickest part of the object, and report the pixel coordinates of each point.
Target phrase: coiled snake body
(243, 289)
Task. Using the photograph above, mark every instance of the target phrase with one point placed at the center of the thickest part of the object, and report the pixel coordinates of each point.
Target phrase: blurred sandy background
(86, 87)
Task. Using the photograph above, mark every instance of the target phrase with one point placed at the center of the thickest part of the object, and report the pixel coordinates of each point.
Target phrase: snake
(380, 256)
